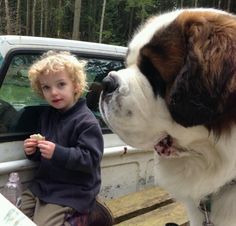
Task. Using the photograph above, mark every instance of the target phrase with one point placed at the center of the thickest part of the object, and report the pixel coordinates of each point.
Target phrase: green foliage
(122, 17)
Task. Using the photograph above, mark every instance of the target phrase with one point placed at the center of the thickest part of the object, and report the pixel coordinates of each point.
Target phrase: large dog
(177, 96)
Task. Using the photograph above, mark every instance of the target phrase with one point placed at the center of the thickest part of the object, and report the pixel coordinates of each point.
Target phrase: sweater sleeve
(86, 155)
(34, 157)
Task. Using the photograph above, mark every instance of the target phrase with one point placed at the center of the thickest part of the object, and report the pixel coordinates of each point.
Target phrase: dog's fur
(178, 96)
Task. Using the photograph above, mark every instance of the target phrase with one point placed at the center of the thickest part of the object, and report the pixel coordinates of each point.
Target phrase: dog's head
(181, 73)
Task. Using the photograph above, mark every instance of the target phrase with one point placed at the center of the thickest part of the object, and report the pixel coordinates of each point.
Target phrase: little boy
(68, 178)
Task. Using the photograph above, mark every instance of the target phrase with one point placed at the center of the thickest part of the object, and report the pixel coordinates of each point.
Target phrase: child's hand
(46, 148)
(30, 146)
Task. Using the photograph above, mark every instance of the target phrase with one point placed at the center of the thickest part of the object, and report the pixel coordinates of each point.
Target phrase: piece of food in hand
(37, 136)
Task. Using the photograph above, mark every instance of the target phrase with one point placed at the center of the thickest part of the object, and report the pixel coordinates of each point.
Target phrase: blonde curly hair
(53, 62)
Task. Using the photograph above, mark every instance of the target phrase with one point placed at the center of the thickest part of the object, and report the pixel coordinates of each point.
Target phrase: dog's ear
(204, 90)
(210, 44)
(204, 46)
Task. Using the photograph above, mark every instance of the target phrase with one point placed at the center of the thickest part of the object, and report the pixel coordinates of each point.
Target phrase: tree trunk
(33, 18)
(46, 18)
(214, 3)
(181, 3)
(219, 4)
(228, 5)
(76, 23)
(41, 18)
(131, 18)
(8, 21)
(18, 19)
(92, 31)
(28, 17)
(1, 16)
(195, 3)
(90, 27)
(102, 21)
(59, 19)
(142, 12)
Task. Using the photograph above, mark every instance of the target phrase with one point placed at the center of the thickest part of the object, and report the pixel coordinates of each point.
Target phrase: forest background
(105, 21)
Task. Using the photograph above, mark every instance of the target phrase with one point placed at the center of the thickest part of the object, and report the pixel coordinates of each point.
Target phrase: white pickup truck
(124, 169)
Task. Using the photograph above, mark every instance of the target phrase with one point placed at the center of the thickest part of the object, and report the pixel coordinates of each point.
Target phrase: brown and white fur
(177, 96)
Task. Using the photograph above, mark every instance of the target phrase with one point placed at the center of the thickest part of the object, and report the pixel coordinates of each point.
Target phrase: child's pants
(46, 214)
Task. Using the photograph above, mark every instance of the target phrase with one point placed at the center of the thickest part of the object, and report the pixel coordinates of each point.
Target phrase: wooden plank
(137, 203)
(174, 212)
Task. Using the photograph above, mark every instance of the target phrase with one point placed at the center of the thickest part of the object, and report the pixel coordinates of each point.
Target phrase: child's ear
(77, 88)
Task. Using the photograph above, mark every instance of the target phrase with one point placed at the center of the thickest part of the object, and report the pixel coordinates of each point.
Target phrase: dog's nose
(110, 83)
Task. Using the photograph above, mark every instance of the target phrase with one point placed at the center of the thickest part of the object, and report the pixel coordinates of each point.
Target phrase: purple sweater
(72, 177)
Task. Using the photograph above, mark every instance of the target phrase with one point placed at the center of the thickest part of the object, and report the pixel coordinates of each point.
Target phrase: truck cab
(124, 169)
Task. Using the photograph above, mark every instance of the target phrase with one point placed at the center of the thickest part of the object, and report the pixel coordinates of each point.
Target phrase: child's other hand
(46, 148)
(30, 146)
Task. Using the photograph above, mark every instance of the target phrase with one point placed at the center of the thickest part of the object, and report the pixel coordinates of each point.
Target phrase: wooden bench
(149, 207)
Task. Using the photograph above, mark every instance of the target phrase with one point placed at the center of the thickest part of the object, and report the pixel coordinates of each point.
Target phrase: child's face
(58, 90)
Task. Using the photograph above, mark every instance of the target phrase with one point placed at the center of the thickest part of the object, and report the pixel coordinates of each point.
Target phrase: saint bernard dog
(177, 96)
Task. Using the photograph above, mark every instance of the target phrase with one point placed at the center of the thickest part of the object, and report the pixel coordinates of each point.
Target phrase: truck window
(20, 107)
(1, 59)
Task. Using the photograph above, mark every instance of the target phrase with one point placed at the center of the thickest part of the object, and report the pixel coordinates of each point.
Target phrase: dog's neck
(205, 208)
(206, 203)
